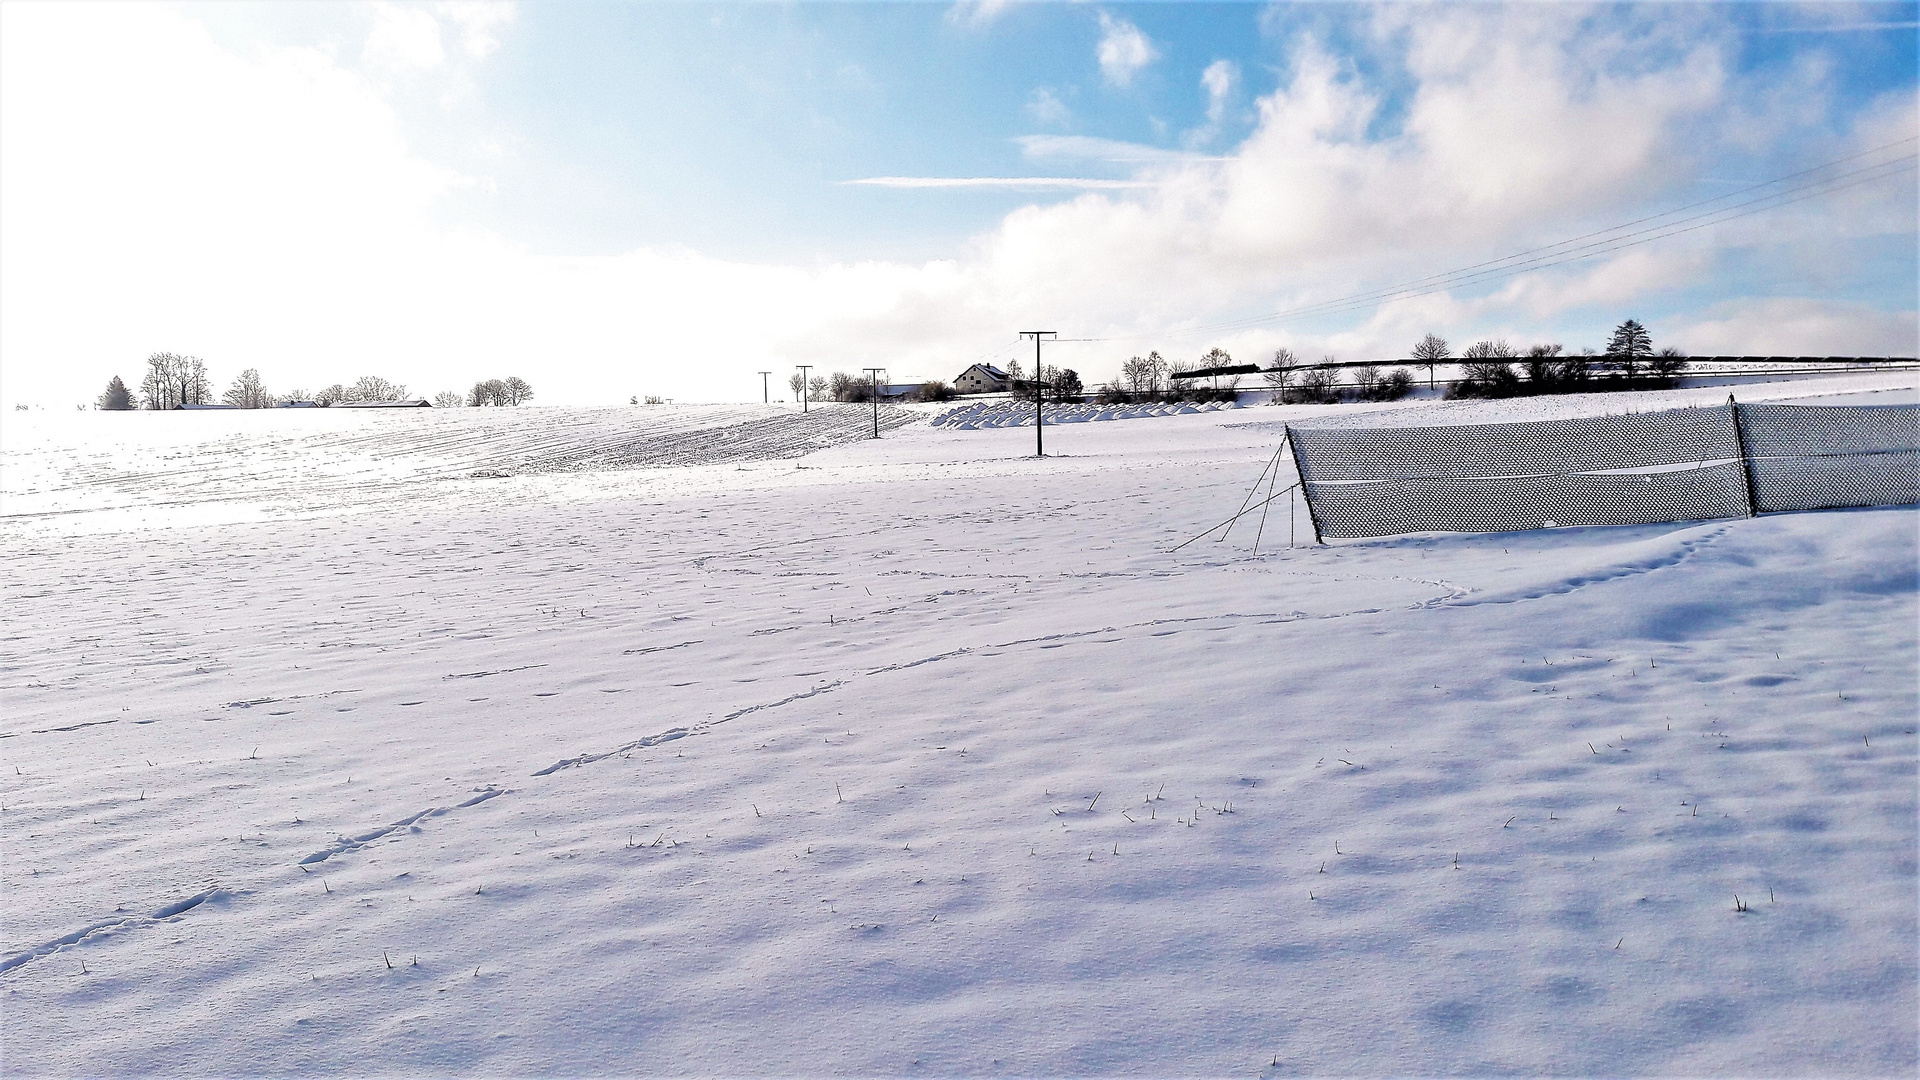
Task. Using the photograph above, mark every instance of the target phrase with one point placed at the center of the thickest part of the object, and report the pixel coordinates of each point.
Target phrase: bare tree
(1574, 372)
(1431, 350)
(116, 397)
(375, 388)
(517, 390)
(1543, 369)
(1277, 375)
(797, 382)
(173, 380)
(1366, 381)
(190, 381)
(1487, 371)
(156, 388)
(1320, 385)
(1667, 364)
(487, 392)
(817, 388)
(332, 395)
(448, 399)
(248, 392)
(1146, 374)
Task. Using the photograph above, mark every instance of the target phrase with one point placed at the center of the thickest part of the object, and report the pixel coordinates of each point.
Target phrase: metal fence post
(1746, 462)
(1299, 471)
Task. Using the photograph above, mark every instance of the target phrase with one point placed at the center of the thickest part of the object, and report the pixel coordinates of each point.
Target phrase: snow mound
(999, 414)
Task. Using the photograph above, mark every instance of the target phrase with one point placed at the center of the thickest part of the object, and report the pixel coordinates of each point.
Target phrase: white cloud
(1089, 148)
(1799, 326)
(1219, 80)
(1034, 182)
(404, 37)
(1046, 108)
(977, 12)
(477, 20)
(266, 209)
(1123, 50)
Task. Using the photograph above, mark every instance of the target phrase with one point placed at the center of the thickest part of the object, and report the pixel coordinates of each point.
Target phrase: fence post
(1300, 472)
(1746, 462)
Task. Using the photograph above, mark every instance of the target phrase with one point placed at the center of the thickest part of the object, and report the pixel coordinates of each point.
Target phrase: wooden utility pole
(804, 368)
(766, 395)
(1039, 446)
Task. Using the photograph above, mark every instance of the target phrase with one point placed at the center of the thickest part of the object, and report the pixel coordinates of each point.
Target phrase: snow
(1011, 413)
(917, 756)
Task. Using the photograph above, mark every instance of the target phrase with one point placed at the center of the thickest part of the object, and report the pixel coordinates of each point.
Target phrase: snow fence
(1682, 465)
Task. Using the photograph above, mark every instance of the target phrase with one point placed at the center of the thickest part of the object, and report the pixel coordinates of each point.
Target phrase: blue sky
(633, 198)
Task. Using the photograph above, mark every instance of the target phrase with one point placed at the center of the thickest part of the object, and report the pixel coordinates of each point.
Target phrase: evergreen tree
(116, 397)
(1629, 348)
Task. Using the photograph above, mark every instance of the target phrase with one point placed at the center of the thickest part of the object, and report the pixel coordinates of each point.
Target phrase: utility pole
(766, 396)
(873, 374)
(804, 368)
(1039, 447)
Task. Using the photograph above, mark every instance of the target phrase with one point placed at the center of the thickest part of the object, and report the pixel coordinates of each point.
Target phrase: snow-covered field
(921, 757)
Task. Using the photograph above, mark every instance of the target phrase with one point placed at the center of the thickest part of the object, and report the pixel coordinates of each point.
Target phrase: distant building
(983, 379)
(299, 405)
(196, 408)
(411, 403)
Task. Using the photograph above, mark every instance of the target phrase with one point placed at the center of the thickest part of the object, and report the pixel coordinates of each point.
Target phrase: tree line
(1493, 369)
(171, 380)
(845, 387)
(1488, 369)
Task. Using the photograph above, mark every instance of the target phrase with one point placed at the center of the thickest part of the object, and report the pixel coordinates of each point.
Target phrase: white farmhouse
(983, 379)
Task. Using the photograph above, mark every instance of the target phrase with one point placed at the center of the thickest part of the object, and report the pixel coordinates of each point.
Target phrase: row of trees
(1292, 382)
(1488, 369)
(840, 386)
(1151, 378)
(172, 380)
(1493, 369)
(499, 393)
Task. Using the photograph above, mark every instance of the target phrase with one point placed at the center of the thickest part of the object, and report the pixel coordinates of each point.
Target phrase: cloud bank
(264, 208)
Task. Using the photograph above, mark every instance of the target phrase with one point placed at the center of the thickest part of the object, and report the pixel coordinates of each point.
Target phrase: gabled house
(983, 379)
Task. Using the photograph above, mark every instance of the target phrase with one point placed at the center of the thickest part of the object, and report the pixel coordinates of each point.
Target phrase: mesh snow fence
(1682, 465)
(1812, 457)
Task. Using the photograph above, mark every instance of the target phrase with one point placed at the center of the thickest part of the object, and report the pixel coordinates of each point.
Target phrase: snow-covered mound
(1004, 413)
(931, 758)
